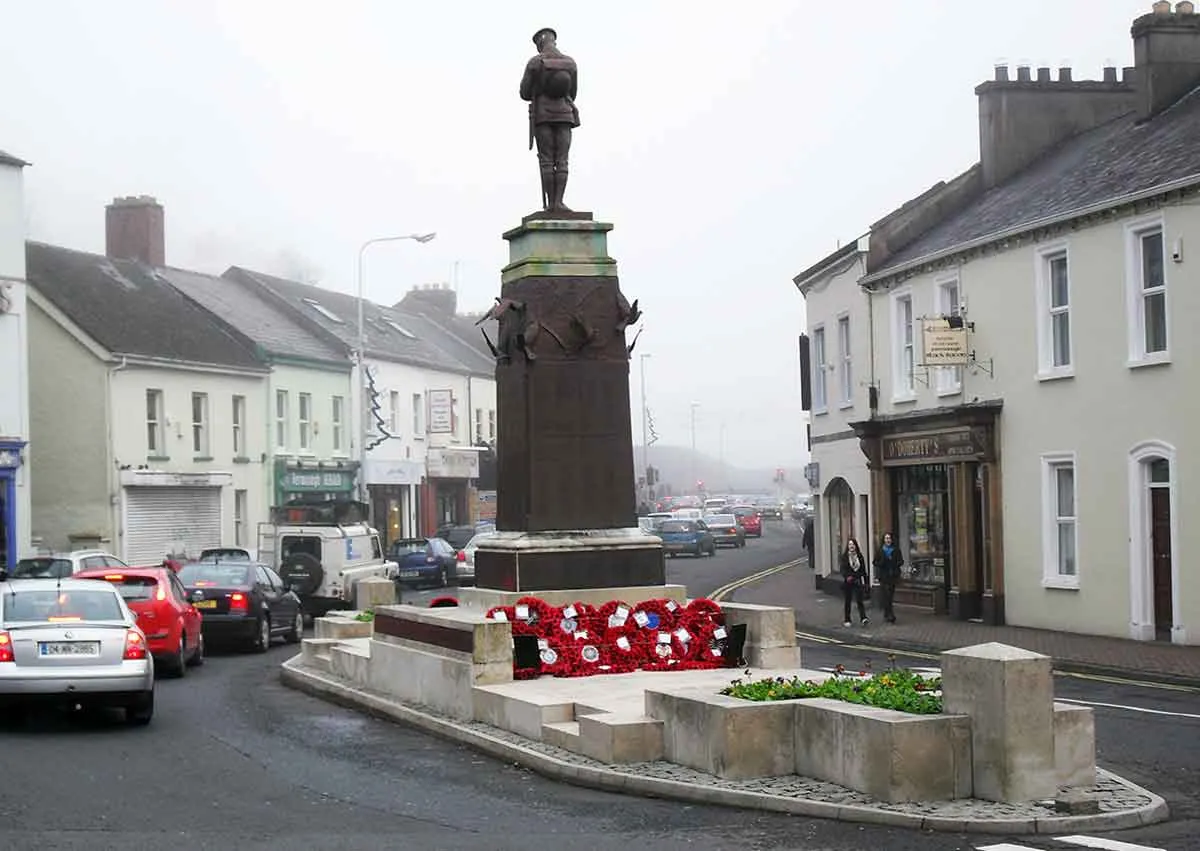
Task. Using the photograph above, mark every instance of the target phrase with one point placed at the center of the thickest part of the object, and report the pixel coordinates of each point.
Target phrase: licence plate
(68, 648)
(205, 604)
(409, 574)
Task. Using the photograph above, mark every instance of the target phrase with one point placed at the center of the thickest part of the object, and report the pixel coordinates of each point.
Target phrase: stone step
(584, 709)
(562, 734)
(519, 710)
(618, 738)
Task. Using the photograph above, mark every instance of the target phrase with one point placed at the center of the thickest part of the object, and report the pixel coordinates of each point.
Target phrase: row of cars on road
(701, 531)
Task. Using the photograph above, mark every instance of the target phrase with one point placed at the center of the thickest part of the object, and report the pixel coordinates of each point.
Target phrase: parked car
(171, 624)
(686, 536)
(59, 565)
(243, 603)
(748, 517)
(457, 536)
(425, 561)
(725, 530)
(466, 565)
(73, 642)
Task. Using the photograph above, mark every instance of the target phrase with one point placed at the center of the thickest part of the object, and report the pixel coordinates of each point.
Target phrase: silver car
(73, 642)
(465, 568)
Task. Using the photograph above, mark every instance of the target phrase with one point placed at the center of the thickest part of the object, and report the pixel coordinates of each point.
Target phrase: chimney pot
(1161, 7)
(1043, 74)
(1064, 75)
(1002, 73)
(1128, 74)
(1110, 74)
(1023, 73)
(1185, 8)
(134, 230)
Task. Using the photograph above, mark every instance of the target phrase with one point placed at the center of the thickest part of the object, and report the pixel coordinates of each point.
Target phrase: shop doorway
(8, 555)
(923, 528)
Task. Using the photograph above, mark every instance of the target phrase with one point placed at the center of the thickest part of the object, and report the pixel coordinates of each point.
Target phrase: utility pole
(645, 426)
(695, 477)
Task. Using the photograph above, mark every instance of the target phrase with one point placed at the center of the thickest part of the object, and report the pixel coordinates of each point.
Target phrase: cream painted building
(1039, 476)
(14, 376)
(150, 442)
(837, 346)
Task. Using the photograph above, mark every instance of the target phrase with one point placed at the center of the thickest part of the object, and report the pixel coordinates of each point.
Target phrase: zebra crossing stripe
(1097, 842)
(1005, 846)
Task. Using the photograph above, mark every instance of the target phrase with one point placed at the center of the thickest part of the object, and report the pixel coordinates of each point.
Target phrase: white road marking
(1104, 844)
(1130, 709)
(1005, 846)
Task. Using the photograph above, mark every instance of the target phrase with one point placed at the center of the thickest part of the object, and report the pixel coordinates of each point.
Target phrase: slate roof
(130, 309)
(1094, 169)
(256, 315)
(389, 334)
(8, 159)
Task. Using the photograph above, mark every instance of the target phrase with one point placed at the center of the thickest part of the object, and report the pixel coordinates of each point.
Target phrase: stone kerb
(342, 626)
(435, 657)
(770, 634)
(1009, 695)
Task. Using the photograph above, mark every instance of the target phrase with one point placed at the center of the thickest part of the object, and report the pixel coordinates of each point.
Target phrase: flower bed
(899, 689)
(579, 640)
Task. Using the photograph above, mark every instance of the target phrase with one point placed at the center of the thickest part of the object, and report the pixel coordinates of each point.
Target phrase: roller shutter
(170, 520)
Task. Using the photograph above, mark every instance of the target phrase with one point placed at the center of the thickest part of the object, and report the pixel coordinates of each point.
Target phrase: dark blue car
(424, 561)
(686, 536)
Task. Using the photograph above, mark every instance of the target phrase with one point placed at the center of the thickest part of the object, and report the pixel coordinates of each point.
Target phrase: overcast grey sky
(731, 144)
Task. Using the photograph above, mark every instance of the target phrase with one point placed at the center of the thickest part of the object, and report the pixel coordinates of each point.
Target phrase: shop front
(318, 481)
(10, 465)
(394, 487)
(447, 495)
(935, 480)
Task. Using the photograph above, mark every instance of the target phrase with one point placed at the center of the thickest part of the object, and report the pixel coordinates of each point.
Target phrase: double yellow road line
(727, 589)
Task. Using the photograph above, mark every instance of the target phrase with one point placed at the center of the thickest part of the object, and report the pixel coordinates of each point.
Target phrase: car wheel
(198, 654)
(139, 713)
(296, 633)
(179, 660)
(262, 633)
(699, 552)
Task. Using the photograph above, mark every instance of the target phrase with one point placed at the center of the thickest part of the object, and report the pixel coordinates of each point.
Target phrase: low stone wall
(435, 657)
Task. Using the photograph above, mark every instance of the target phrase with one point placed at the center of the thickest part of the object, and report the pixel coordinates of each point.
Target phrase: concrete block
(615, 738)
(1009, 695)
(1074, 745)
(315, 651)
(374, 591)
(562, 734)
(770, 634)
(351, 663)
(450, 631)
(725, 736)
(427, 679)
(893, 756)
(339, 627)
(521, 711)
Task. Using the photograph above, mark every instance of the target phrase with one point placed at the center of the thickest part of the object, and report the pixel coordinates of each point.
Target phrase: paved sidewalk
(821, 614)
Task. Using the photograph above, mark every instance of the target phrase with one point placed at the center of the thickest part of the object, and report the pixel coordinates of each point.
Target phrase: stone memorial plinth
(1009, 695)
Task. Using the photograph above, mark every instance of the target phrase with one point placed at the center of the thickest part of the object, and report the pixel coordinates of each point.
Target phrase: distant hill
(676, 470)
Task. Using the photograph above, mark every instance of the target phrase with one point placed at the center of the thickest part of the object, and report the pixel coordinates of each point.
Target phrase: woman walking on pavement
(888, 562)
(854, 580)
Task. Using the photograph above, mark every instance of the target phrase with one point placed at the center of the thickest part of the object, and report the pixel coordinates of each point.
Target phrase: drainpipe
(110, 460)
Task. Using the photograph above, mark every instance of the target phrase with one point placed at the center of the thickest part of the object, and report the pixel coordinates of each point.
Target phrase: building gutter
(1018, 230)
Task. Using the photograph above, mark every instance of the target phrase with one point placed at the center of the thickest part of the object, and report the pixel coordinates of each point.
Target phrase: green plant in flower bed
(899, 689)
(365, 617)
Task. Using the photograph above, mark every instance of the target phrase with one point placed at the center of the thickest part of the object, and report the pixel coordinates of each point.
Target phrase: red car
(749, 520)
(158, 599)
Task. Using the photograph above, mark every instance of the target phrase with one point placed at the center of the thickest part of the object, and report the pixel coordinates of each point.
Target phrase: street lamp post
(695, 405)
(645, 426)
(360, 354)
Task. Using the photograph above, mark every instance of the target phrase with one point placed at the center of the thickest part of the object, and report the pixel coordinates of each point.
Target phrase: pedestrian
(854, 580)
(888, 562)
(808, 543)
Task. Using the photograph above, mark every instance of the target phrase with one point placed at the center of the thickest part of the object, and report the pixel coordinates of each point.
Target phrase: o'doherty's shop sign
(316, 481)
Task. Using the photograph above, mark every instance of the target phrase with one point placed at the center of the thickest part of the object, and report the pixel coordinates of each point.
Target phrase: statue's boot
(560, 187)
(547, 186)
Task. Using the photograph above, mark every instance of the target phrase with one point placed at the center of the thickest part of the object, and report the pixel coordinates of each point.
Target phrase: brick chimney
(1021, 119)
(1166, 53)
(134, 230)
(430, 300)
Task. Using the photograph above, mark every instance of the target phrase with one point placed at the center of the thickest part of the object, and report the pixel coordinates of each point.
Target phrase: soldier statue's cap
(542, 31)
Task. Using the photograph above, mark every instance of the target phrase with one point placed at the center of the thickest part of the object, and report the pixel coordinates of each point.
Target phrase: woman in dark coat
(888, 562)
(854, 581)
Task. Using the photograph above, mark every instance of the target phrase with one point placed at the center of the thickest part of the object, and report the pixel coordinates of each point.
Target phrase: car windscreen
(676, 526)
(41, 568)
(216, 575)
(400, 548)
(50, 605)
(459, 536)
(134, 587)
(743, 512)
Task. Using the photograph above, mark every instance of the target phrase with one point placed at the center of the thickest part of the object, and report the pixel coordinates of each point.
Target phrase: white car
(465, 566)
(73, 642)
(61, 565)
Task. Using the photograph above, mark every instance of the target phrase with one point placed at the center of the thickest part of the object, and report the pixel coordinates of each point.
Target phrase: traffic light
(700, 485)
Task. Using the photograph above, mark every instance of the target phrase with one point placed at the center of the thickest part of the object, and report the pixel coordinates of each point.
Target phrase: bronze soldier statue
(550, 83)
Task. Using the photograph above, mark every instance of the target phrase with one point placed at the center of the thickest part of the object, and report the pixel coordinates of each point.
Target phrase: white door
(178, 521)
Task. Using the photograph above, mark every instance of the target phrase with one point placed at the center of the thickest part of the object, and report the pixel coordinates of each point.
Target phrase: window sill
(279, 450)
(846, 406)
(904, 400)
(1056, 374)
(1061, 583)
(158, 457)
(201, 458)
(819, 412)
(241, 459)
(1157, 359)
(943, 392)
(418, 437)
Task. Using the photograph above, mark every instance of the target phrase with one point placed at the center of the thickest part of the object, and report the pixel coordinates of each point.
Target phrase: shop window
(923, 515)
